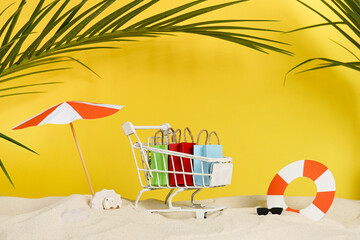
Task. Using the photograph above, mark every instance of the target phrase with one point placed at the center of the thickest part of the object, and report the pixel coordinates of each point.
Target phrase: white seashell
(109, 202)
(105, 199)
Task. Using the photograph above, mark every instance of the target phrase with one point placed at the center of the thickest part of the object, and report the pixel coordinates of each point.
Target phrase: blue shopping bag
(207, 150)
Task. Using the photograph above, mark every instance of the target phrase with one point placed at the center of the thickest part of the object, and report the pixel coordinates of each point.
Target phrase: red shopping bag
(174, 161)
(187, 147)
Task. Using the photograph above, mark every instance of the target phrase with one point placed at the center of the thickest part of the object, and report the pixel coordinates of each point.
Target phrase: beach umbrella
(67, 112)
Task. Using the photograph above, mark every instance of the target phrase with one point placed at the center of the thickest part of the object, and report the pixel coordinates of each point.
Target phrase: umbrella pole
(82, 159)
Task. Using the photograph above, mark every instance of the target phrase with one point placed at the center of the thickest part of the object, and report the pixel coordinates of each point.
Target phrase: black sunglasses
(265, 211)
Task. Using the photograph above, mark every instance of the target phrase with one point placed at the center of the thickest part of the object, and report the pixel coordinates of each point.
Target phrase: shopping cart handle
(129, 128)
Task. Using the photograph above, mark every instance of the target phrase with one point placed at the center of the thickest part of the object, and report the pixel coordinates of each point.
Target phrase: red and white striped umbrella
(67, 112)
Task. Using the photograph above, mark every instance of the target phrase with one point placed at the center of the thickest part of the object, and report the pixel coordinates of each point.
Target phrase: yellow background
(199, 82)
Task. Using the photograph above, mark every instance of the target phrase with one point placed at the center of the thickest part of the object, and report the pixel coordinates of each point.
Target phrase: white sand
(70, 217)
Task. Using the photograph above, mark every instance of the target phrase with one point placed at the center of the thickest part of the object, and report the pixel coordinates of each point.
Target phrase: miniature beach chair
(147, 157)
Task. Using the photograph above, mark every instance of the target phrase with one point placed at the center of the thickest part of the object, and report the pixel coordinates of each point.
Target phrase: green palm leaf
(28, 85)
(71, 29)
(347, 24)
(9, 139)
(6, 173)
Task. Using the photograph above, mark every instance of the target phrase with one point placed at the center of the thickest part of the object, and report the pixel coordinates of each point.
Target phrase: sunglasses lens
(262, 211)
(276, 210)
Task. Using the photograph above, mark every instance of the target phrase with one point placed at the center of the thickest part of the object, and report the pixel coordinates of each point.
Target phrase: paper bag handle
(162, 138)
(213, 132)
(173, 133)
(192, 138)
(174, 136)
(198, 138)
(170, 132)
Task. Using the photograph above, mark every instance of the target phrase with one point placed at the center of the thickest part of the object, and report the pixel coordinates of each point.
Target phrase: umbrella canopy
(67, 112)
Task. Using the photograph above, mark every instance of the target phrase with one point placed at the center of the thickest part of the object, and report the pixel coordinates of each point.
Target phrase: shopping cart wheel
(201, 214)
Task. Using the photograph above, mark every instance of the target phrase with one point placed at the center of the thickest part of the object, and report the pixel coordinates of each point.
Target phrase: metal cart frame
(143, 153)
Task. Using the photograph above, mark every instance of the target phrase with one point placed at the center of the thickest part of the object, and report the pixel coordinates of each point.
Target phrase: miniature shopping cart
(219, 175)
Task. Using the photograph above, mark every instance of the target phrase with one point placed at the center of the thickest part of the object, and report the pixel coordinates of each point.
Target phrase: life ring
(318, 172)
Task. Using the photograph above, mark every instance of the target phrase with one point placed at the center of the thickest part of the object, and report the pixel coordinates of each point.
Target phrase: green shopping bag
(159, 161)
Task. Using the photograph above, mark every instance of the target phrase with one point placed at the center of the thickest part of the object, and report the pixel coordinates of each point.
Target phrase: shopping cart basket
(220, 173)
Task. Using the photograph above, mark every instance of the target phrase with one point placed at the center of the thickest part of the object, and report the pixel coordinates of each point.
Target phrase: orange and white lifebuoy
(318, 172)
